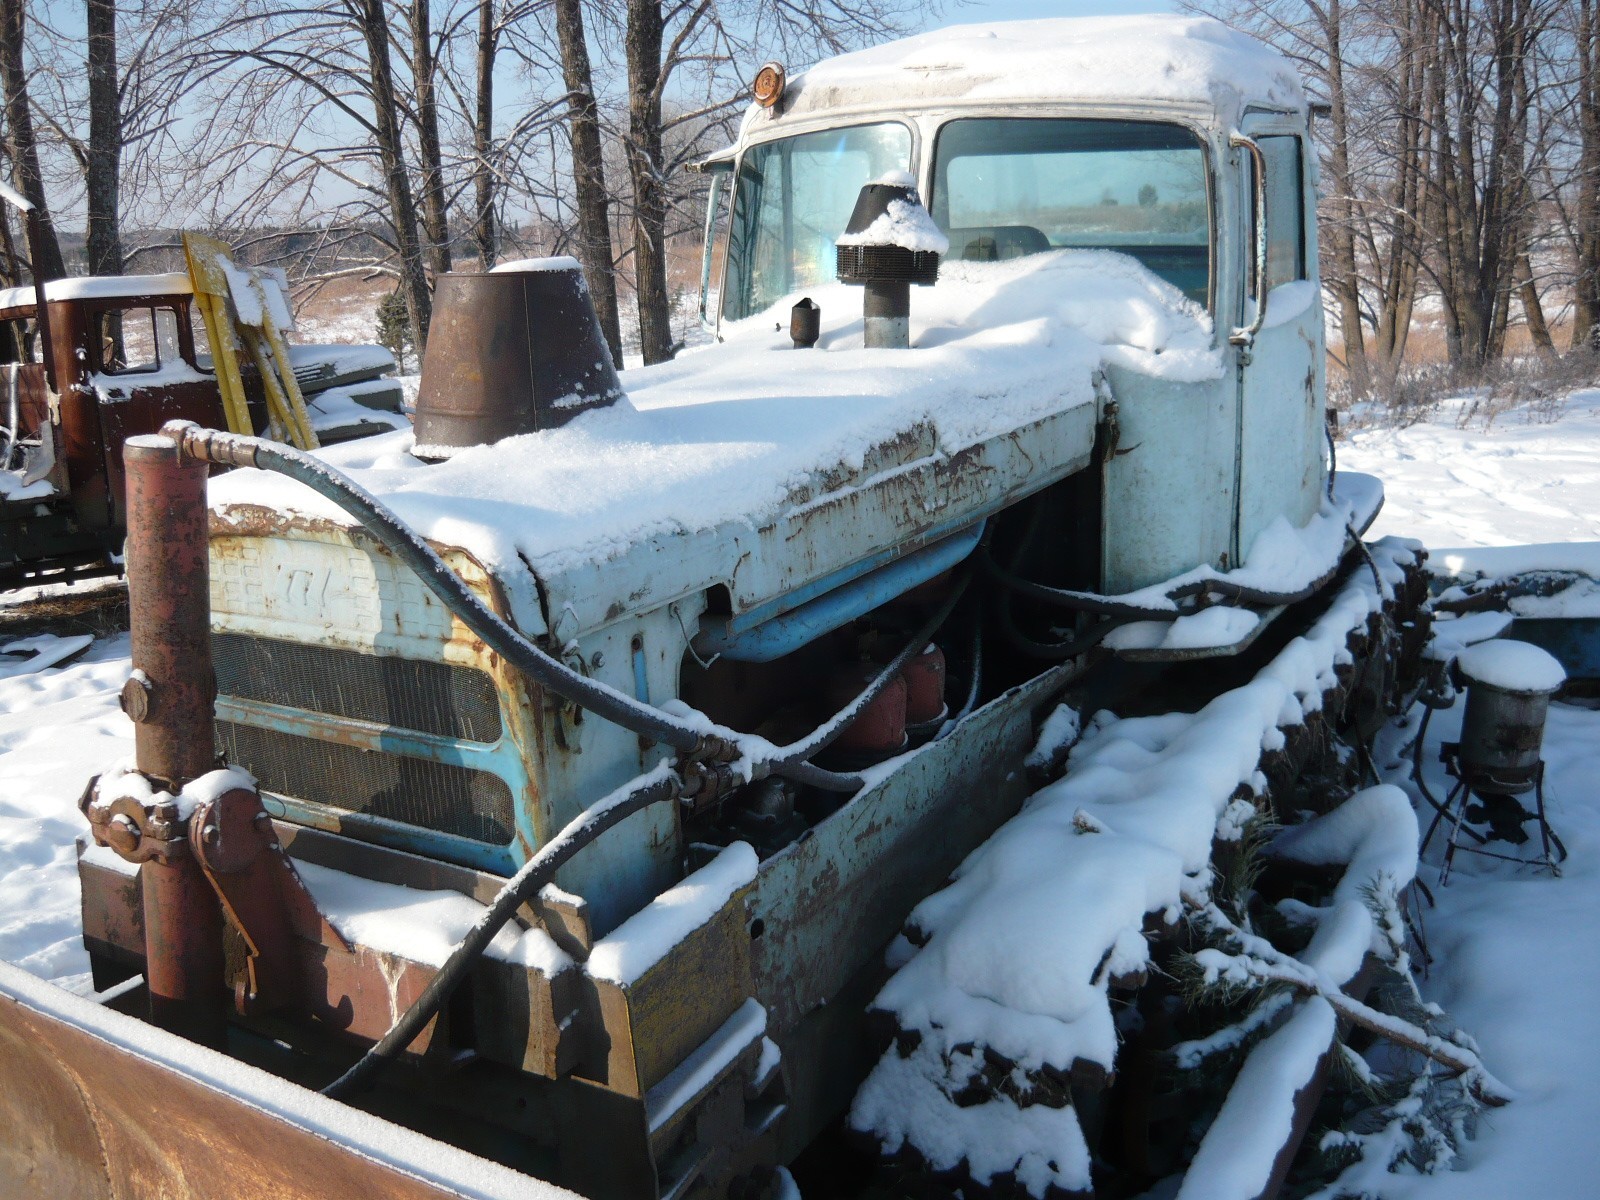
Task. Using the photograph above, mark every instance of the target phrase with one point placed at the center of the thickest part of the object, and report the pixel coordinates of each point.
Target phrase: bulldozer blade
(99, 1106)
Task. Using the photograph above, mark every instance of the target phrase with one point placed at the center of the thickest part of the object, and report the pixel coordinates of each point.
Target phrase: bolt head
(135, 699)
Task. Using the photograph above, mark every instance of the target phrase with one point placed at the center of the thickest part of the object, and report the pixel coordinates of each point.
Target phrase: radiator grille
(451, 701)
(438, 796)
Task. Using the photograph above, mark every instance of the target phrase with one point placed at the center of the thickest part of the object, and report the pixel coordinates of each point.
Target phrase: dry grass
(1523, 379)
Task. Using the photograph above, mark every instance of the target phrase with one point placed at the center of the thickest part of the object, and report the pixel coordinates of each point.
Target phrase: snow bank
(1018, 951)
(733, 432)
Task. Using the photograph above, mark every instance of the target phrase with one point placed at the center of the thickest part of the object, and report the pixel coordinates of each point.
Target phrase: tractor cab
(1048, 137)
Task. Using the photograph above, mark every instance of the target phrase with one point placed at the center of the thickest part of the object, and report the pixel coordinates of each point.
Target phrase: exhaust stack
(890, 243)
(515, 351)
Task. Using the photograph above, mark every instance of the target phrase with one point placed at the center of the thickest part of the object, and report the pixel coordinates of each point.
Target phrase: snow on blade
(636, 945)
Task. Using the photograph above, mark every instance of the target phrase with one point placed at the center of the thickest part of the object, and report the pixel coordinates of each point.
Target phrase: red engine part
(924, 676)
(880, 728)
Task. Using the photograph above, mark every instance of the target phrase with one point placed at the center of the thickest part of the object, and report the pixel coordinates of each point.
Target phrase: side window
(1286, 238)
(19, 341)
(126, 340)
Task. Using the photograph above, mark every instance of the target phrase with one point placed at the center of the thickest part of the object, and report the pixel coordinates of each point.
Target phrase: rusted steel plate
(99, 1105)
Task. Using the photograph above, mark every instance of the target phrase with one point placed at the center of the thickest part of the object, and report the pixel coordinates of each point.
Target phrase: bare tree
(424, 69)
(1586, 275)
(103, 168)
(22, 145)
(484, 233)
(588, 171)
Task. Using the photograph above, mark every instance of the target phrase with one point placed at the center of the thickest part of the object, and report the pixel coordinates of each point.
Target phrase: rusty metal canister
(511, 352)
(1509, 685)
(880, 728)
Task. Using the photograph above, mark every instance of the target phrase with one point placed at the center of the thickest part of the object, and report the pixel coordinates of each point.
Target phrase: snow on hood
(729, 432)
(1175, 59)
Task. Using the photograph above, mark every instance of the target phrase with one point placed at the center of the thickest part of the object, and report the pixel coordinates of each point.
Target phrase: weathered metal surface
(510, 352)
(1502, 737)
(96, 1107)
(169, 624)
(1282, 392)
(907, 493)
(169, 613)
(1574, 641)
(825, 908)
(879, 729)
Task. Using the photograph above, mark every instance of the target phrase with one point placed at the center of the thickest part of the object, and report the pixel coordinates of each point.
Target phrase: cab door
(1279, 339)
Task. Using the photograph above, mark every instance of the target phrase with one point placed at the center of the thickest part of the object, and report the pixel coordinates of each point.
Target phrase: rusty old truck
(117, 356)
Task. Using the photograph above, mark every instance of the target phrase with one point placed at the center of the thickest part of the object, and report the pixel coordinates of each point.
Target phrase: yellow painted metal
(210, 294)
(214, 276)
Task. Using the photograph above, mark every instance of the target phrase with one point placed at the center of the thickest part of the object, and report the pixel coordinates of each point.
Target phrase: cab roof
(1166, 61)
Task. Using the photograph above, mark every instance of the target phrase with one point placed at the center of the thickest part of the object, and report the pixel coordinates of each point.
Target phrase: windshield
(792, 199)
(1007, 187)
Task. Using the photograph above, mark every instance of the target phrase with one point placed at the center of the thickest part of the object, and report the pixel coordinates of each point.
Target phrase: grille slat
(438, 796)
(430, 697)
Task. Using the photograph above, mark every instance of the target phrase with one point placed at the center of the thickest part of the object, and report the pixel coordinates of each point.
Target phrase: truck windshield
(792, 199)
(1007, 187)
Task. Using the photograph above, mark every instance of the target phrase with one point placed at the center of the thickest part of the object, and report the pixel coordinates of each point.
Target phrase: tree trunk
(588, 171)
(21, 145)
(402, 209)
(484, 234)
(1586, 285)
(644, 34)
(424, 69)
(10, 264)
(1344, 282)
(1533, 310)
(104, 166)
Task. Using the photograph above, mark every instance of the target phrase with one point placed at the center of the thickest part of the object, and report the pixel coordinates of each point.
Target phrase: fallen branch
(1262, 965)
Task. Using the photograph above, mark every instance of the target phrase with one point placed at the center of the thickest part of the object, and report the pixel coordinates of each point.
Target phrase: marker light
(768, 87)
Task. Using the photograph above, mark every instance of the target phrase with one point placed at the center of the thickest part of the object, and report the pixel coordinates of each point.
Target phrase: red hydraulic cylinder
(170, 699)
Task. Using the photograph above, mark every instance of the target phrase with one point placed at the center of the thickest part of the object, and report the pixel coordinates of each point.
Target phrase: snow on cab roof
(101, 287)
(1193, 61)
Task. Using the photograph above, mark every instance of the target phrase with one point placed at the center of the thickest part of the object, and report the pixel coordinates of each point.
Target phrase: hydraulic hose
(1089, 602)
(1059, 651)
(658, 787)
(604, 701)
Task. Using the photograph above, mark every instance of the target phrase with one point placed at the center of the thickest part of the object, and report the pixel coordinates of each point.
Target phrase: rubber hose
(535, 873)
(1055, 651)
(1089, 602)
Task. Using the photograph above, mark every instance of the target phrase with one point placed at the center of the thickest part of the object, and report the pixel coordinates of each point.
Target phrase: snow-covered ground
(1452, 481)
(1516, 955)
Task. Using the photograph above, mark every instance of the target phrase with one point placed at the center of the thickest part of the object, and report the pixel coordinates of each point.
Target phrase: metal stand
(1486, 786)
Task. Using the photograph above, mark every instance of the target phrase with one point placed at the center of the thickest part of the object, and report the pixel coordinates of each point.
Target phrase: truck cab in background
(125, 355)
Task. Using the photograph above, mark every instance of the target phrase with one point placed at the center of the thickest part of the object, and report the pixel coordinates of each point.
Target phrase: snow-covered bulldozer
(586, 749)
